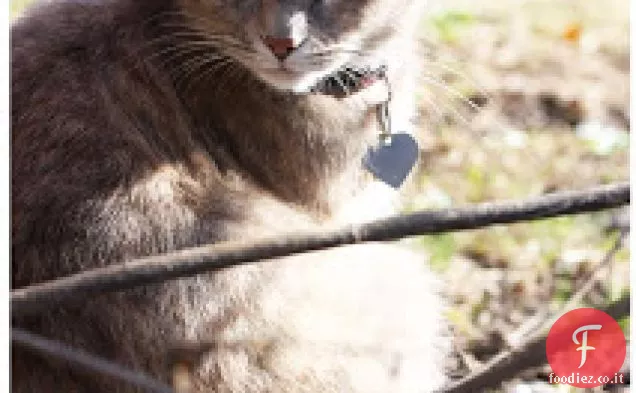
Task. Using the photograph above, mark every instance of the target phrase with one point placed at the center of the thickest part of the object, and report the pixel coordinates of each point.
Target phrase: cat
(143, 127)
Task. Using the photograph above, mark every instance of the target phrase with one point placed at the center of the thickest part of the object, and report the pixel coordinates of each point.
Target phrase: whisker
(463, 76)
(454, 92)
(194, 64)
(436, 108)
(176, 52)
(203, 77)
(205, 36)
(194, 74)
(332, 52)
(174, 16)
(430, 78)
(195, 38)
(452, 108)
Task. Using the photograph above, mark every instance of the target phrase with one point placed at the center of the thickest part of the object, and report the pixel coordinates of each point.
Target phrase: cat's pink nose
(280, 47)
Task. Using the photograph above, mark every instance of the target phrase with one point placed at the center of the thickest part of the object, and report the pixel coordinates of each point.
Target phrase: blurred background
(520, 98)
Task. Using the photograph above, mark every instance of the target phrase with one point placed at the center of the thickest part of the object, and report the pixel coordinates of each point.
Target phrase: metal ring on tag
(384, 118)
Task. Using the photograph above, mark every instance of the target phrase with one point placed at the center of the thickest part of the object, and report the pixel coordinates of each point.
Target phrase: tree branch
(531, 353)
(156, 269)
(87, 361)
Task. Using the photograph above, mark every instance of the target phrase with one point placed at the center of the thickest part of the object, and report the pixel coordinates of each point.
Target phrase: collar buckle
(384, 116)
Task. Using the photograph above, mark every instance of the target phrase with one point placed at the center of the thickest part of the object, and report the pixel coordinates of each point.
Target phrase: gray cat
(142, 127)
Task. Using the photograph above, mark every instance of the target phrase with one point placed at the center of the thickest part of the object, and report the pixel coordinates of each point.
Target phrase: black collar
(348, 80)
(394, 156)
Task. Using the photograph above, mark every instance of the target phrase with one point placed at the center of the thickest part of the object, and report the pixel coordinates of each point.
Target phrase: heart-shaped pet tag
(392, 162)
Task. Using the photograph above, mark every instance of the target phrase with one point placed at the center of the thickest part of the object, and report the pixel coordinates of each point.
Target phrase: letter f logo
(584, 347)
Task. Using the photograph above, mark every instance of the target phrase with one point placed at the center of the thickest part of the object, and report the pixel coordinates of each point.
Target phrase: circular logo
(585, 348)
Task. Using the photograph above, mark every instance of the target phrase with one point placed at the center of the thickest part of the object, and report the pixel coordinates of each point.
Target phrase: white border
(4, 174)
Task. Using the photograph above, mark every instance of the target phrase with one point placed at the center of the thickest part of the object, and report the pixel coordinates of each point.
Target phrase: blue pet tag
(392, 160)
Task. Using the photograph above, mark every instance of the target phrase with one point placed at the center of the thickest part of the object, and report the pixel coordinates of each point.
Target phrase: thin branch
(593, 277)
(190, 262)
(87, 361)
(531, 351)
(510, 363)
(548, 318)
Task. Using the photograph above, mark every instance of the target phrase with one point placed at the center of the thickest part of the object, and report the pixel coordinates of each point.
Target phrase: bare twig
(198, 260)
(593, 277)
(548, 318)
(87, 361)
(531, 351)
(510, 363)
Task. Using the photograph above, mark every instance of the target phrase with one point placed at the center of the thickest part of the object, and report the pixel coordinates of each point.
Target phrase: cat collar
(394, 156)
